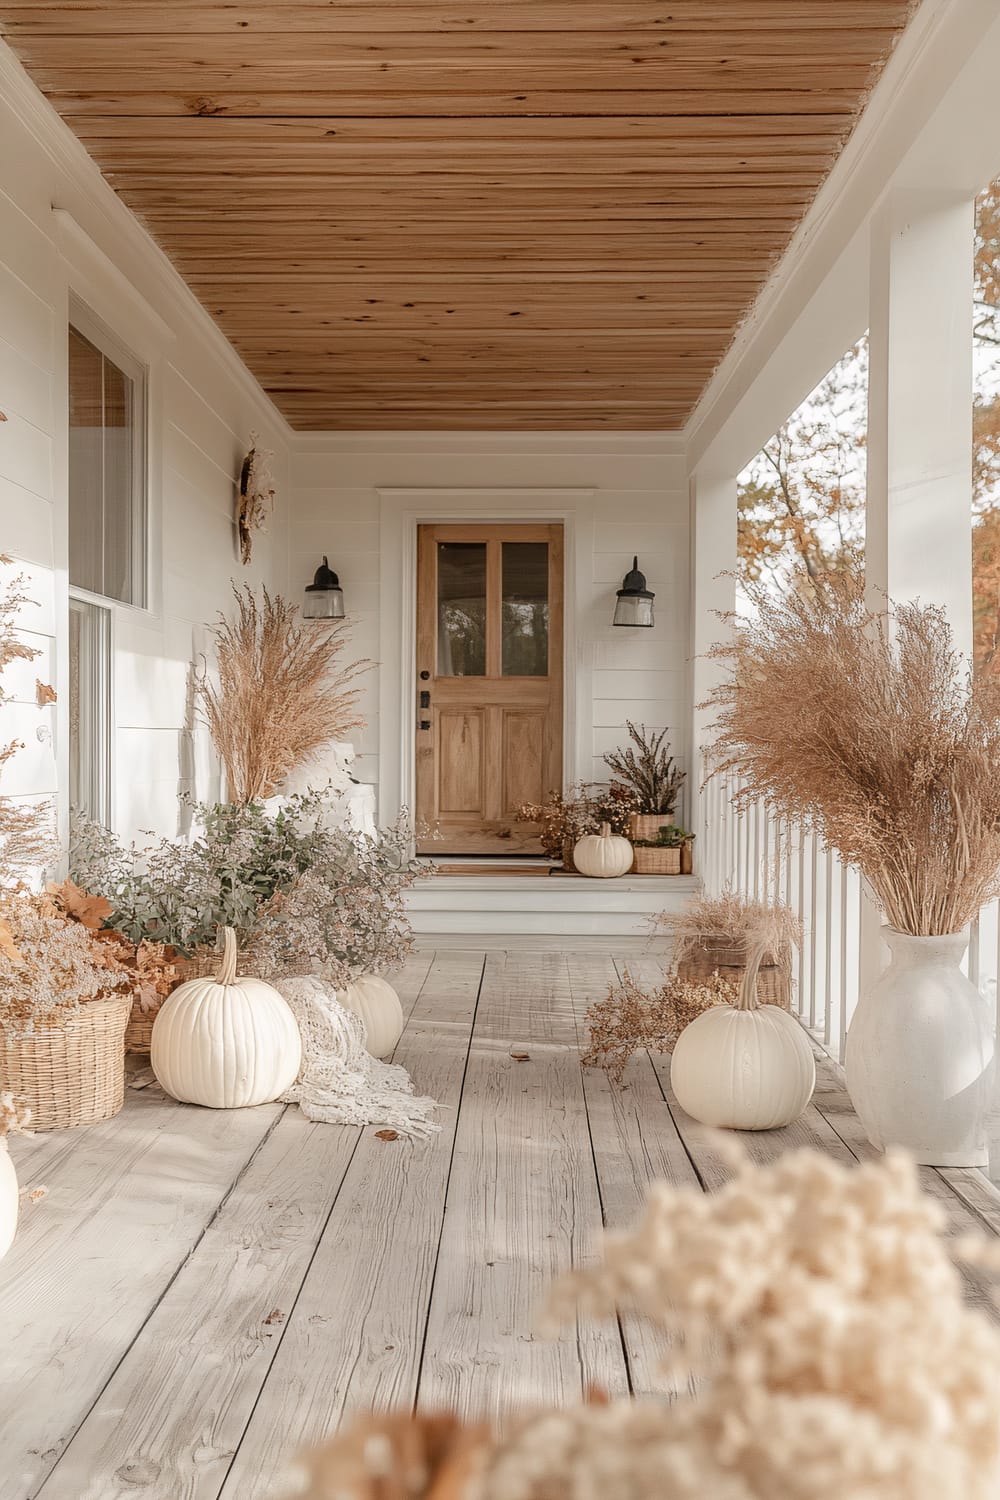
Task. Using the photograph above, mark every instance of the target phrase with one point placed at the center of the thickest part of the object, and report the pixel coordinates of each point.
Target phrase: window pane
(461, 609)
(525, 609)
(105, 480)
(86, 464)
(89, 709)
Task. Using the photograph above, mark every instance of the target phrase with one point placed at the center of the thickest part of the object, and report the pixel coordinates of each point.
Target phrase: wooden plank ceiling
(446, 214)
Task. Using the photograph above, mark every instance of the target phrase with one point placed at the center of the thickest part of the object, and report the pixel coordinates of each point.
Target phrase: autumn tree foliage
(802, 498)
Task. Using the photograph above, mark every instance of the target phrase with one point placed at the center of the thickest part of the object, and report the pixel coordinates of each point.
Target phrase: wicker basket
(657, 861)
(774, 980)
(72, 1074)
(203, 964)
(648, 825)
(569, 864)
(139, 1031)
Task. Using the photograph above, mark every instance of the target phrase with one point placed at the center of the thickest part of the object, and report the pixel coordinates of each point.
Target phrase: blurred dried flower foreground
(823, 1311)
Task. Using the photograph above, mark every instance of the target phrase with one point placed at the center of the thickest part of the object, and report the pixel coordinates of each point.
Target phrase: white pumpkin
(8, 1199)
(604, 855)
(376, 1004)
(225, 1042)
(743, 1068)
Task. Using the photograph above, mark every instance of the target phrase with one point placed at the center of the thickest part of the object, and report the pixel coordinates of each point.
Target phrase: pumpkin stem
(605, 830)
(747, 997)
(227, 971)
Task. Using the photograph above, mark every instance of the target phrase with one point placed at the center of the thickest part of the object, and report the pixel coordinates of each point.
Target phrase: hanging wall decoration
(256, 497)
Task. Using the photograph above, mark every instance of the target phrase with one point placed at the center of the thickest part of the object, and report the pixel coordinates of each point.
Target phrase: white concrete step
(536, 905)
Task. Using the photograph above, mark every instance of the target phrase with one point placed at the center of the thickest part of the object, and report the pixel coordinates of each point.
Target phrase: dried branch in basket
(648, 770)
(730, 930)
(869, 729)
(279, 692)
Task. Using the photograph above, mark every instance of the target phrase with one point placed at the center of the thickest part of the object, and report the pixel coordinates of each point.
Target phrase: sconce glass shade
(634, 602)
(324, 598)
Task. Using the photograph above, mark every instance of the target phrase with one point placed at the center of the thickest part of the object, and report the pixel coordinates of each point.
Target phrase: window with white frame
(107, 539)
(107, 464)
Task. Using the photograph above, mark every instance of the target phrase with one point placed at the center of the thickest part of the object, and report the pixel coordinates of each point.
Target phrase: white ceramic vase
(920, 1054)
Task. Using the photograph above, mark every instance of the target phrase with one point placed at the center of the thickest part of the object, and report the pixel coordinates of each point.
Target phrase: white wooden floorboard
(635, 1143)
(354, 1338)
(124, 1209)
(169, 1419)
(523, 1207)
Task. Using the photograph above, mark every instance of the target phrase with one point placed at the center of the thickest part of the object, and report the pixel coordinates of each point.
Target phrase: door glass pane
(525, 609)
(461, 609)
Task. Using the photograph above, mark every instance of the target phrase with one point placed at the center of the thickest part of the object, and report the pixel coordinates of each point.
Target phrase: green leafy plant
(302, 897)
(647, 769)
(670, 836)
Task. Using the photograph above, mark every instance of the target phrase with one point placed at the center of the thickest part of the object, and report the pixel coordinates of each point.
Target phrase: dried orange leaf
(387, 1135)
(44, 692)
(274, 1316)
(521, 1056)
(9, 947)
(89, 911)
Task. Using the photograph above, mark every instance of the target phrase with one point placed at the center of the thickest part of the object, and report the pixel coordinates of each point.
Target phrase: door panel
(490, 666)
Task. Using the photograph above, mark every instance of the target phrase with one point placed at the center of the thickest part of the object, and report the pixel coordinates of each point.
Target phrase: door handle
(425, 699)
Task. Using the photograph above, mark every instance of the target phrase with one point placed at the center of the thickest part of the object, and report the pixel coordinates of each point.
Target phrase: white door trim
(401, 511)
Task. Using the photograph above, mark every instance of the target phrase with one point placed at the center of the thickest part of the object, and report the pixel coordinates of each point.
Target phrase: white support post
(713, 589)
(919, 512)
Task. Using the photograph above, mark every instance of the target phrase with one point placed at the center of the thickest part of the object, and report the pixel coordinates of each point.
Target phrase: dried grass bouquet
(279, 692)
(837, 1355)
(731, 931)
(870, 729)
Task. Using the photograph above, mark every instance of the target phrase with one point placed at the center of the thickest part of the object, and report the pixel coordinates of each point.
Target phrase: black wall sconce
(324, 598)
(634, 605)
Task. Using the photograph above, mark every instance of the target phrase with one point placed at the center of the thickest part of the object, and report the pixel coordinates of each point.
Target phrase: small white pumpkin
(376, 1004)
(744, 1067)
(9, 1199)
(225, 1042)
(603, 855)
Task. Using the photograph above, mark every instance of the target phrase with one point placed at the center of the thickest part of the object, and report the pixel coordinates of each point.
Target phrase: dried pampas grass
(281, 692)
(869, 729)
(734, 928)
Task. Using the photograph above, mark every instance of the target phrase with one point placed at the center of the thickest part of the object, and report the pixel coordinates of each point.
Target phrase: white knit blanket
(340, 1083)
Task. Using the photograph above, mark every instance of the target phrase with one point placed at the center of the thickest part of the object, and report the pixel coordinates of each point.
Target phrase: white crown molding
(664, 444)
(94, 268)
(939, 39)
(84, 176)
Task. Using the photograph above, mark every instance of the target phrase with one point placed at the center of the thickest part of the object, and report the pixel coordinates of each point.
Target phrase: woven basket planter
(139, 1031)
(774, 980)
(567, 857)
(648, 825)
(73, 1074)
(657, 861)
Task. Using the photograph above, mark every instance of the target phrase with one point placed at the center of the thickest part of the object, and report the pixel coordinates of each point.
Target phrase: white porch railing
(754, 853)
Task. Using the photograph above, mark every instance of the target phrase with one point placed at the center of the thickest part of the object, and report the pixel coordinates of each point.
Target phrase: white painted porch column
(713, 590)
(919, 518)
(919, 512)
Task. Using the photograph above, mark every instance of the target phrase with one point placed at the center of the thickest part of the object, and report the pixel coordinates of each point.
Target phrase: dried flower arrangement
(49, 965)
(301, 897)
(149, 969)
(647, 770)
(632, 1017)
(825, 1314)
(278, 694)
(566, 816)
(26, 833)
(255, 499)
(870, 729)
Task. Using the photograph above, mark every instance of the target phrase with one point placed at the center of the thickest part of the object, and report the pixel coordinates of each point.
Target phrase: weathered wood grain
(354, 1339)
(523, 1207)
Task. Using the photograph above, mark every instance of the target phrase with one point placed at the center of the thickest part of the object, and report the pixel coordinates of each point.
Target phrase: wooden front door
(489, 683)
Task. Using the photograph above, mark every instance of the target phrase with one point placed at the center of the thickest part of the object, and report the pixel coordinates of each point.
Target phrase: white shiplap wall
(203, 405)
(621, 494)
